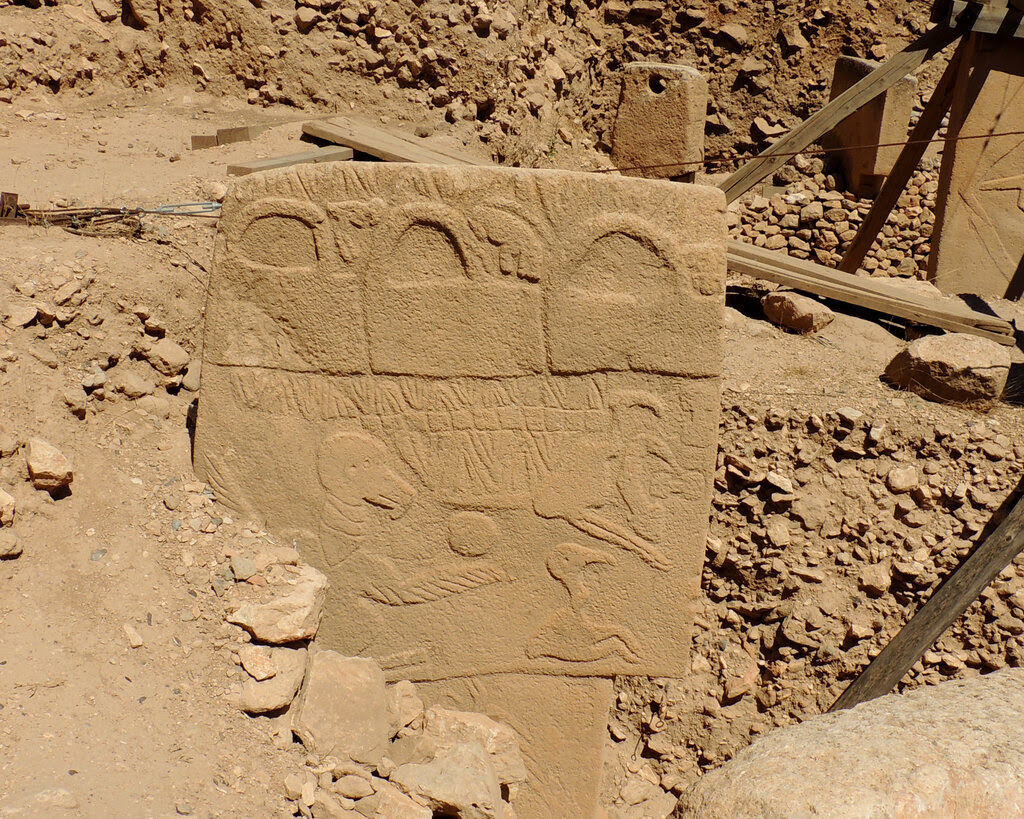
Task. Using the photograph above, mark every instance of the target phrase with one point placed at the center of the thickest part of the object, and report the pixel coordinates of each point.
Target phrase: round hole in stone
(656, 84)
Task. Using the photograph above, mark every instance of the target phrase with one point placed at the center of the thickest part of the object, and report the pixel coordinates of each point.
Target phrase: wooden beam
(896, 182)
(332, 153)
(948, 602)
(851, 100)
(873, 294)
(201, 141)
(240, 133)
(386, 145)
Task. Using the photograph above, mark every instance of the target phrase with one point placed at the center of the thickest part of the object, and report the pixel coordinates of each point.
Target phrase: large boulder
(955, 749)
(954, 368)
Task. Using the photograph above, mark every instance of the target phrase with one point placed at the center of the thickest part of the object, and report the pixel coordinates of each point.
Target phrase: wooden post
(948, 602)
(820, 123)
(895, 183)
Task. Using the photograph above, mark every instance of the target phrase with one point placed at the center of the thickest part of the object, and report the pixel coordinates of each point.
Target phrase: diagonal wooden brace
(851, 100)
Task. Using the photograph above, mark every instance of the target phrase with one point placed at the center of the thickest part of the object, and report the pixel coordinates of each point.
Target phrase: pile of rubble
(813, 217)
(370, 747)
(829, 529)
(548, 74)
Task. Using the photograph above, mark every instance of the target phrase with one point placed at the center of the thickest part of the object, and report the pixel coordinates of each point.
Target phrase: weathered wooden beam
(948, 602)
(873, 294)
(332, 153)
(820, 123)
(896, 182)
(383, 144)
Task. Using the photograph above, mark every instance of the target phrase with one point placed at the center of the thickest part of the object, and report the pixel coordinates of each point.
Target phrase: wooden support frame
(948, 602)
(874, 294)
(851, 100)
(896, 182)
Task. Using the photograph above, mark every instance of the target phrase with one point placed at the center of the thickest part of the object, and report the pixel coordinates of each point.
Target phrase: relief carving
(484, 402)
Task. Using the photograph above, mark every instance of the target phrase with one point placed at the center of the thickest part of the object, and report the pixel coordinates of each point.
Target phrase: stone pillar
(485, 403)
(883, 120)
(978, 239)
(660, 121)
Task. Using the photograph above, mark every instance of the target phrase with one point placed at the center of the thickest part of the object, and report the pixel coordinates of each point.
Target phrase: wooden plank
(820, 123)
(896, 182)
(386, 145)
(332, 153)
(987, 18)
(869, 293)
(948, 602)
(240, 133)
(812, 272)
(201, 141)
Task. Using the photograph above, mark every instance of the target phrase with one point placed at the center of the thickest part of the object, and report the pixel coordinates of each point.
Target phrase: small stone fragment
(166, 356)
(76, 400)
(404, 705)
(47, 466)
(134, 638)
(875, 579)
(279, 690)
(10, 544)
(901, 479)
(131, 384)
(288, 617)
(257, 662)
(353, 787)
(7, 508)
(342, 710)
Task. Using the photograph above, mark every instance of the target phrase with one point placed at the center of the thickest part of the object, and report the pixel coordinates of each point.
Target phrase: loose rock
(277, 691)
(955, 367)
(47, 466)
(342, 710)
(797, 312)
(289, 617)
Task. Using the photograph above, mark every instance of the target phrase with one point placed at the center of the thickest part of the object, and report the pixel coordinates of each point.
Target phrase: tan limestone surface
(956, 749)
(483, 401)
(979, 221)
(659, 125)
(883, 121)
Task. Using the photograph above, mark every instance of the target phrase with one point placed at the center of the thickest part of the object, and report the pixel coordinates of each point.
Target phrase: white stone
(48, 468)
(288, 617)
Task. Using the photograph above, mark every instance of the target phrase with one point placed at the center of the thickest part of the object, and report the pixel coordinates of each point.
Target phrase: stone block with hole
(659, 127)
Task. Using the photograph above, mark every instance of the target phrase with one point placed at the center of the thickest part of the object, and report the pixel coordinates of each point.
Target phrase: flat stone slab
(483, 401)
(955, 749)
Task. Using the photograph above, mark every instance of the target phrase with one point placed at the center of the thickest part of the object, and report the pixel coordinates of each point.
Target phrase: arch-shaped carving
(278, 233)
(427, 242)
(623, 253)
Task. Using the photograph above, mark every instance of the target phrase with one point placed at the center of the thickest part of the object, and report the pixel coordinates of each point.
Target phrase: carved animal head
(567, 561)
(353, 468)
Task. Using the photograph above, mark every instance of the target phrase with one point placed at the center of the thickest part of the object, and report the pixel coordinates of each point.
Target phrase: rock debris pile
(812, 217)
(829, 529)
(527, 78)
(371, 747)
